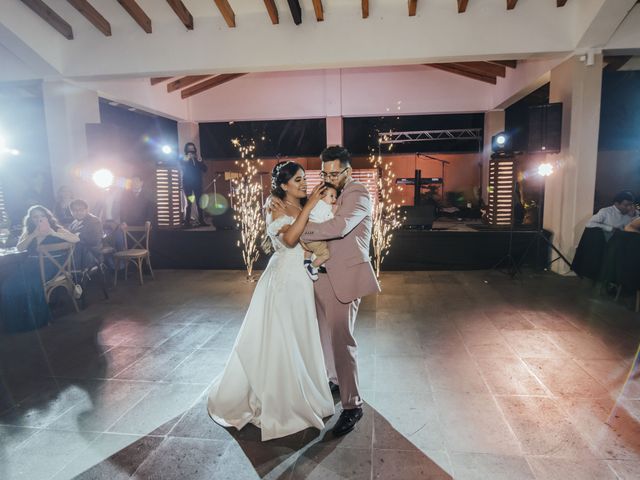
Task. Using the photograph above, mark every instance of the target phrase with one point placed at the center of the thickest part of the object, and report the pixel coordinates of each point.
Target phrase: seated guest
(62, 210)
(617, 216)
(136, 207)
(89, 229)
(23, 305)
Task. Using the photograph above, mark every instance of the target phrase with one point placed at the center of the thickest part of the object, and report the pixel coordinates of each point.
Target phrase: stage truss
(386, 138)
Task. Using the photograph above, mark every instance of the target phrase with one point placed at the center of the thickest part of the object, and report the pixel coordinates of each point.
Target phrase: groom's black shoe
(347, 421)
(334, 387)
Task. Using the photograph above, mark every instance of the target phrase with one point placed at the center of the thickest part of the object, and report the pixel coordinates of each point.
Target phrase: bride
(275, 377)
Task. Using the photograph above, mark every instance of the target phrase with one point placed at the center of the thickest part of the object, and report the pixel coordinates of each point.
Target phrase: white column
(493, 124)
(569, 192)
(68, 109)
(333, 105)
(334, 131)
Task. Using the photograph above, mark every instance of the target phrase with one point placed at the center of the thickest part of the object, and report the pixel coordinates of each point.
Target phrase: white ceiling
(438, 33)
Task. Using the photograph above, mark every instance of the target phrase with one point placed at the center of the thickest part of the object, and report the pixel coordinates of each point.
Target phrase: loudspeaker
(545, 128)
(419, 217)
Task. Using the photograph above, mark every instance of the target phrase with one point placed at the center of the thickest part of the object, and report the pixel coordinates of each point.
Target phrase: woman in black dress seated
(23, 304)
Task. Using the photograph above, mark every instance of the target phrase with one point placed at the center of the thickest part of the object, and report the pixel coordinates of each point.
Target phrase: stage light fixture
(501, 142)
(545, 169)
(167, 150)
(103, 178)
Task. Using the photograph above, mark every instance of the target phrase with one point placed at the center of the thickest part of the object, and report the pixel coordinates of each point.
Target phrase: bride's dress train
(275, 377)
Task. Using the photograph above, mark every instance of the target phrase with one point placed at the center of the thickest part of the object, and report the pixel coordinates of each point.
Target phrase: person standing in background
(192, 168)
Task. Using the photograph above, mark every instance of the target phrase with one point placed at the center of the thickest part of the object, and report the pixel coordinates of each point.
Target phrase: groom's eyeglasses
(333, 175)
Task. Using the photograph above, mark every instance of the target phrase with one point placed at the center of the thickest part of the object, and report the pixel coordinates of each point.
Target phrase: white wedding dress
(275, 377)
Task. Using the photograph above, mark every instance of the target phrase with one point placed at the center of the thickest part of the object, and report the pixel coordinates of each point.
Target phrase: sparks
(247, 193)
(387, 216)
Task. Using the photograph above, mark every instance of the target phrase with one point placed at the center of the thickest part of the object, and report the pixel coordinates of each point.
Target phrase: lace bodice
(273, 227)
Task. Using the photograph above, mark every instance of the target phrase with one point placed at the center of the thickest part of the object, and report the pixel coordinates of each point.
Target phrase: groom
(348, 276)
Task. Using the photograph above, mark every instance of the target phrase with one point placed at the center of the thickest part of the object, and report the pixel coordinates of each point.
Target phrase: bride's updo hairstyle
(280, 175)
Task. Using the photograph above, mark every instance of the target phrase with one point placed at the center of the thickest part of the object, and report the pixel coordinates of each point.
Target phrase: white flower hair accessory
(274, 175)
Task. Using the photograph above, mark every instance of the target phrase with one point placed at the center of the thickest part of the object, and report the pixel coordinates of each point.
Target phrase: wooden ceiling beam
(447, 67)
(52, 18)
(91, 14)
(483, 68)
(273, 11)
(208, 84)
(137, 14)
(157, 80)
(227, 12)
(511, 4)
(318, 10)
(506, 63)
(365, 8)
(296, 11)
(561, 3)
(413, 5)
(182, 12)
(184, 82)
(462, 6)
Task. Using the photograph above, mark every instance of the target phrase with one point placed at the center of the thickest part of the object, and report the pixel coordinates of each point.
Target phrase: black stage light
(501, 142)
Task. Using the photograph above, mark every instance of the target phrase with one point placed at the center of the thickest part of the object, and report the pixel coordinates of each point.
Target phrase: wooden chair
(64, 263)
(137, 254)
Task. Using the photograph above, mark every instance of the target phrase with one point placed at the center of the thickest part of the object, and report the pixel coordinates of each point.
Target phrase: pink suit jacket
(349, 235)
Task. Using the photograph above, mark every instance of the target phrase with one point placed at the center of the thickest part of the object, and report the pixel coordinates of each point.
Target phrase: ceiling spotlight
(545, 169)
(166, 149)
(103, 178)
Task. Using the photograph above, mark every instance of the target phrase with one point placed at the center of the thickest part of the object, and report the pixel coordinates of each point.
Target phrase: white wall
(348, 92)
(627, 36)
(138, 92)
(526, 78)
(14, 69)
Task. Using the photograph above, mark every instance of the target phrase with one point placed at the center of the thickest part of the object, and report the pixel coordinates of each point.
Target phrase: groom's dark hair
(336, 152)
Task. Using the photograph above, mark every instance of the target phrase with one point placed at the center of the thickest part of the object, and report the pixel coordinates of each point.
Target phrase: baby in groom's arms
(317, 253)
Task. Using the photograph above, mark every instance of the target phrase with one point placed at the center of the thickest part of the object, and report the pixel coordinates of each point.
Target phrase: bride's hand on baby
(316, 195)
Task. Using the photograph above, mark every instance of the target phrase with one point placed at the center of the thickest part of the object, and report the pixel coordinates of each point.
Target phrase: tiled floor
(467, 375)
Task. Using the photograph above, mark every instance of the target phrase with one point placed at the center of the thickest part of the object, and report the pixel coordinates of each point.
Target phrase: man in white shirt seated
(617, 216)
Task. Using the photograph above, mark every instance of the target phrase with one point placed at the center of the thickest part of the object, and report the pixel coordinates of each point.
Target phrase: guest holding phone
(192, 168)
(23, 304)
